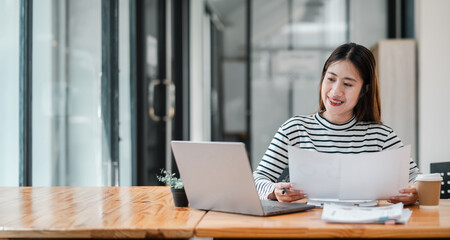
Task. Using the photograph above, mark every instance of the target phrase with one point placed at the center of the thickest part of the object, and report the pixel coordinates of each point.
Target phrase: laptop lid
(218, 176)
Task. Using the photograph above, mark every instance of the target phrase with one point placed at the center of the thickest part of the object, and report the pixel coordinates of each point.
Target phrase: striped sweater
(316, 133)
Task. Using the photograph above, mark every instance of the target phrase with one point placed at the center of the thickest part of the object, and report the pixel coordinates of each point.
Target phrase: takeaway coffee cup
(429, 189)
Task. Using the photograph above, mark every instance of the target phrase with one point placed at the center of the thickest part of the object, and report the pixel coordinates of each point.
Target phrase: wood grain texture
(93, 212)
(423, 224)
(148, 212)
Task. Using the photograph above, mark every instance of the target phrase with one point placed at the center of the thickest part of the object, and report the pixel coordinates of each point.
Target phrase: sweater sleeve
(394, 142)
(272, 164)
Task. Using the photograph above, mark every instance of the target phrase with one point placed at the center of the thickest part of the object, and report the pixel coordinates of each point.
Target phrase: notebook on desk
(217, 176)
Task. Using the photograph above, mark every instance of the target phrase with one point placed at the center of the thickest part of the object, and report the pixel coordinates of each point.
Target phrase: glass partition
(68, 130)
(67, 125)
(9, 92)
(291, 40)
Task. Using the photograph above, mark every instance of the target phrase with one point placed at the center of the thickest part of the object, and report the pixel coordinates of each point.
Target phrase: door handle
(171, 113)
(151, 100)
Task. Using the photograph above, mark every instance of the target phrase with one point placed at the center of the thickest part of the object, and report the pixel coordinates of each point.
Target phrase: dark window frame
(110, 84)
(25, 93)
(137, 71)
(248, 143)
(400, 21)
(180, 71)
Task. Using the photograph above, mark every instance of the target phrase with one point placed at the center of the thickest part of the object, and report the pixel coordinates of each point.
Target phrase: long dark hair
(368, 107)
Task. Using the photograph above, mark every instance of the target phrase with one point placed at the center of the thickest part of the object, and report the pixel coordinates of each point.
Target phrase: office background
(112, 82)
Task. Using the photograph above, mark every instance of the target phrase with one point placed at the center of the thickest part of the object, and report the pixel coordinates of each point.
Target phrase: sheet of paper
(319, 179)
(366, 176)
(346, 214)
(375, 175)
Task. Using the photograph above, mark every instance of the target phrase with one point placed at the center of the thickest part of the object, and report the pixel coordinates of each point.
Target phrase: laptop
(217, 176)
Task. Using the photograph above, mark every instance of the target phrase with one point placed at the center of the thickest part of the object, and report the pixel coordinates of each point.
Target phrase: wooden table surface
(422, 224)
(148, 212)
(93, 212)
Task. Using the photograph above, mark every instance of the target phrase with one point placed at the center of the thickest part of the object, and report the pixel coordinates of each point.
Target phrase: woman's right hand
(284, 192)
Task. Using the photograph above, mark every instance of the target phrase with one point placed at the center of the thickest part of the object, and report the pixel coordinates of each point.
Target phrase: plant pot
(179, 197)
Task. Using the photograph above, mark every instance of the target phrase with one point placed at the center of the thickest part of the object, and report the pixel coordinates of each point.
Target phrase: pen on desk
(283, 191)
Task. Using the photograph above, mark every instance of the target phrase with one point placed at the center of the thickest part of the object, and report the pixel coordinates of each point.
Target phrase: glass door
(160, 85)
(151, 38)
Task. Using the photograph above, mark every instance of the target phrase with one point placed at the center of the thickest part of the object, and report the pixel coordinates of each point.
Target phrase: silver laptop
(217, 176)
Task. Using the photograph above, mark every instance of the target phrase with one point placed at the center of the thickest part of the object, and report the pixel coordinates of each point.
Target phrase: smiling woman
(340, 91)
(355, 67)
(348, 122)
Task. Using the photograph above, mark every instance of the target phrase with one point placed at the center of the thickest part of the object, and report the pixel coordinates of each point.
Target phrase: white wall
(433, 38)
(200, 124)
(397, 67)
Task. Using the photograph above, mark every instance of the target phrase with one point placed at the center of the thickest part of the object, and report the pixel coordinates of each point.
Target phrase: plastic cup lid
(429, 177)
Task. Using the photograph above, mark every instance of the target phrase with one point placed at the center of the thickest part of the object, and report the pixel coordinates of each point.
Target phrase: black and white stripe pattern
(316, 133)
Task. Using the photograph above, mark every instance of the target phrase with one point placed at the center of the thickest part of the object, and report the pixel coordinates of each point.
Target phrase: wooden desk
(93, 212)
(422, 224)
(148, 212)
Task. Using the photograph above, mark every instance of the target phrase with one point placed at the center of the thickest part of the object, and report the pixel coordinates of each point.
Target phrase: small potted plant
(177, 187)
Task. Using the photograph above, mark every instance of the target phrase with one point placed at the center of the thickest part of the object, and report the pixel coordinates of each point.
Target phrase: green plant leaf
(169, 179)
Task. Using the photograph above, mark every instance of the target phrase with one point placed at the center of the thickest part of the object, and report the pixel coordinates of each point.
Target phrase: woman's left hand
(409, 198)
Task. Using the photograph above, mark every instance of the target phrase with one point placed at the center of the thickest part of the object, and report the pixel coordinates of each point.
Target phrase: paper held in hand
(351, 214)
(364, 176)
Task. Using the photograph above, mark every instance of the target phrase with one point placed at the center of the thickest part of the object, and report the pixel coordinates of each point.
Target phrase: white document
(365, 176)
(346, 214)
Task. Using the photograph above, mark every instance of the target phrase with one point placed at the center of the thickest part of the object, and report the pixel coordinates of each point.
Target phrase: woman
(348, 121)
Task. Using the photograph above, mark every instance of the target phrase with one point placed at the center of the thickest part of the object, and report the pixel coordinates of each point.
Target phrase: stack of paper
(352, 214)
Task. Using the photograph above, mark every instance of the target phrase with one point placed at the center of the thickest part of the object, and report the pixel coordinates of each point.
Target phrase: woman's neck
(336, 119)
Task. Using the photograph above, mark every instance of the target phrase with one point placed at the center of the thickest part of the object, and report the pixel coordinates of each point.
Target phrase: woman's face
(340, 90)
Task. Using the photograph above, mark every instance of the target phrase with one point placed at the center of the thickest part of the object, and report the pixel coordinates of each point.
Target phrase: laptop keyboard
(270, 206)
